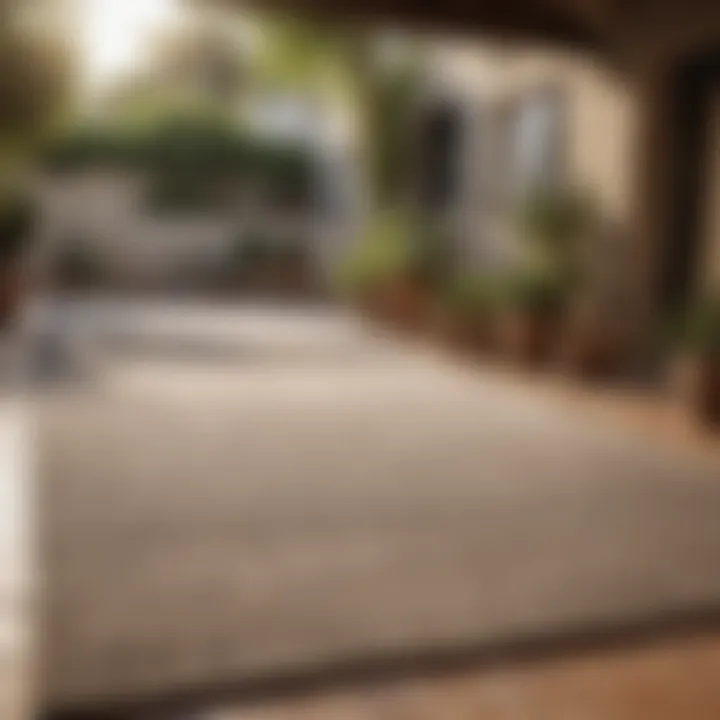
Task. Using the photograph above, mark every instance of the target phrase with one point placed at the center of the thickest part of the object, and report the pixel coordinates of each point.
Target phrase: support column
(652, 208)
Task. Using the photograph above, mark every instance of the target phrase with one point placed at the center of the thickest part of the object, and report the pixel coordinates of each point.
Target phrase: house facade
(521, 116)
(667, 54)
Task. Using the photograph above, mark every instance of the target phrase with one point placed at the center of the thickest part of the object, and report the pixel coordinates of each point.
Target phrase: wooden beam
(537, 21)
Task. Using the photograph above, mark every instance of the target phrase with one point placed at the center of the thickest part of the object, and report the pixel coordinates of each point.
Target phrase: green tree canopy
(35, 78)
(346, 65)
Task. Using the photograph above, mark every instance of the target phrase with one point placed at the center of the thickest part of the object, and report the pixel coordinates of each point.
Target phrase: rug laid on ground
(207, 525)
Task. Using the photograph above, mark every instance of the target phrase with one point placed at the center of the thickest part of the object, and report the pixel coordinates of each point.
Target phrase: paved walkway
(234, 494)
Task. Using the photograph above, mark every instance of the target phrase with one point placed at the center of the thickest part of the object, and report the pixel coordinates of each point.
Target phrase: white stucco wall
(105, 211)
(598, 133)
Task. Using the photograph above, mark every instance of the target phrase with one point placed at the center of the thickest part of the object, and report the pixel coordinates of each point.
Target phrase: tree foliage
(35, 78)
(192, 160)
(345, 64)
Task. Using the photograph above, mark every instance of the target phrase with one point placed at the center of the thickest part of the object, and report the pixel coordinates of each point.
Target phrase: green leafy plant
(555, 219)
(385, 252)
(195, 146)
(36, 80)
(535, 290)
(286, 171)
(472, 296)
(87, 147)
(397, 246)
(192, 160)
(432, 261)
(554, 224)
(347, 67)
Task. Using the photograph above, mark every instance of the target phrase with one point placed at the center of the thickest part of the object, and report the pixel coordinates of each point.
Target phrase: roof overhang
(608, 28)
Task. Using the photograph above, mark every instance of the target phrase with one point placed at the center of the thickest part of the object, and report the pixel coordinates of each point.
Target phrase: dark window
(442, 136)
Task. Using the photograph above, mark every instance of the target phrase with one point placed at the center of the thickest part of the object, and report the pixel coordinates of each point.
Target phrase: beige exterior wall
(601, 138)
(598, 134)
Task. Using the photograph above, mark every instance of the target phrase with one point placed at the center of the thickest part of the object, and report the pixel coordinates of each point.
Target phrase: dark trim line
(365, 670)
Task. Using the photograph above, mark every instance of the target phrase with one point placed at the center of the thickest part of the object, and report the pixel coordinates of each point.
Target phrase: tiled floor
(654, 414)
(662, 680)
(317, 495)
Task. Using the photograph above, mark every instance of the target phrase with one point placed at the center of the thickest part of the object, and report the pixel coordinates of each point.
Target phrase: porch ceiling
(541, 19)
(600, 26)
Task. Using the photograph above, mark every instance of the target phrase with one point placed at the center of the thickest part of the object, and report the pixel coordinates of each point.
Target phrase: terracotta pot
(590, 352)
(11, 294)
(407, 303)
(696, 380)
(483, 334)
(528, 338)
(475, 334)
(370, 304)
(448, 329)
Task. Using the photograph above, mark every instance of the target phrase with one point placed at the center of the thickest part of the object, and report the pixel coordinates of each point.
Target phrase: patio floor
(233, 495)
(657, 681)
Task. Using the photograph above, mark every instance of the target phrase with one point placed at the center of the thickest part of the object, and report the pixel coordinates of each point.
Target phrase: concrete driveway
(242, 493)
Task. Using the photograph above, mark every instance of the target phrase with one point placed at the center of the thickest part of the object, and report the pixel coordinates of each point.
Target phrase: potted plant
(380, 273)
(465, 314)
(533, 306)
(553, 222)
(422, 270)
(697, 364)
(357, 280)
(591, 343)
(16, 225)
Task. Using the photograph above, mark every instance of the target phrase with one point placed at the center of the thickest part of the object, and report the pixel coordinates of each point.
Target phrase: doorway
(441, 143)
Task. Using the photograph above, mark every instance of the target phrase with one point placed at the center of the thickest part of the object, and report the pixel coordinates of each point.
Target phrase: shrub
(191, 160)
(555, 219)
(554, 224)
(472, 296)
(90, 147)
(196, 147)
(286, 171)
(431, 259)
(534, 290)
(384, 252)
(396, 246)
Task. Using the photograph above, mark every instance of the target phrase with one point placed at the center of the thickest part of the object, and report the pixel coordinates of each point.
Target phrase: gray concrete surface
(320, 494)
